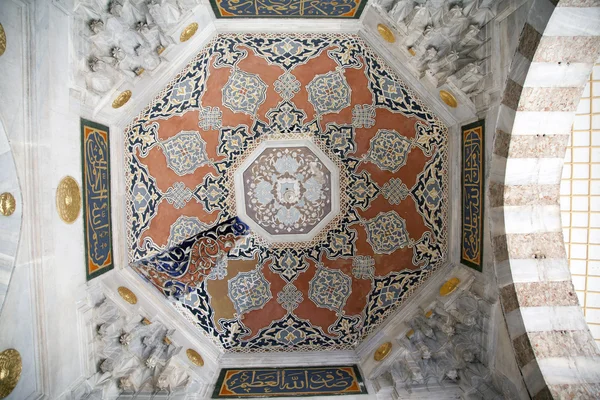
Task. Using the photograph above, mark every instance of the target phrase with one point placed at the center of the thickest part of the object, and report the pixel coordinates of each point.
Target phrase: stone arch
(553, 346)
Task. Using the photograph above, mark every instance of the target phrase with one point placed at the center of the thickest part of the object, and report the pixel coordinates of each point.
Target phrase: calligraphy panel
(288, 8)
(96, 198)
(297, 381)
(472, 176)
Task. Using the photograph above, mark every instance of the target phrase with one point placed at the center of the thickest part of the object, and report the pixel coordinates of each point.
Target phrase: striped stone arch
(553, 346)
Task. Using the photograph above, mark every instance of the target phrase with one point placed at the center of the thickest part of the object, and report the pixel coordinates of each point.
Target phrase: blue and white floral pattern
(389, 150)
(249, 291)
(330, 289)
(244, 92)
(329, 93)
(185, 152)
(387, 232)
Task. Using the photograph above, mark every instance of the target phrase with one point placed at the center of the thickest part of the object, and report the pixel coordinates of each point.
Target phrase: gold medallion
(188, 32)
(428, 314)
(10, 371)
(449, 286)
(386, 33)
(2, 40)
(194, 357)
(68, 199)
(127, 295)
(121, 99)
(448, 98)
(383, 351)
(412, 51)
(410, 334)
(7, 204)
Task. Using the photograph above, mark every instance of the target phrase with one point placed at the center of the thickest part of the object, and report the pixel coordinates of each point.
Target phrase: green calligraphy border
(361, 6)
(86, 123)
(221, 381)
(478, 124)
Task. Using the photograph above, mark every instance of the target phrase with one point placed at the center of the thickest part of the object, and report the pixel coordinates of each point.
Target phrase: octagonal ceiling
(324, 140)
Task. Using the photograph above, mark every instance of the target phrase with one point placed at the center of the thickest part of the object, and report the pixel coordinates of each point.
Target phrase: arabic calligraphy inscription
(299, 381)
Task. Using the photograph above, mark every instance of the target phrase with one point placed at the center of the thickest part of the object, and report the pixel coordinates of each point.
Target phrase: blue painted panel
(288, 8)
(96, 198)
(297, 381)
(473, 154)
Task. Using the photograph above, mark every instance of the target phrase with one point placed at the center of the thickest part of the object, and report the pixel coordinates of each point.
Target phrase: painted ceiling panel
(288, 8)
(337, 168)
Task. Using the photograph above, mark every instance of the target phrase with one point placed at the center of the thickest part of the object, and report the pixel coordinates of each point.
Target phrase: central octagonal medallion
(287, 190)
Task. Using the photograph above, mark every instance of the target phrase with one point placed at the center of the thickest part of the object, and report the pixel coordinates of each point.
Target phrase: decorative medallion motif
(329, 93)
(386, 33)
(185, 152)
(308, 137)
(287, 86)
(210, 118)
(387, 232)
(184, 228)
(244, 92)
(195, 357)
(127, 295)
(382, 351)
(389, 150)
(10, 371)
(121, 99)
(68, 199)
(178, 195)
(395, 191)
(330, 289)
(2, 40)
(449, 286)
(288, 190)
(363, 116)
(290, 297)
(249, 291)
(448, 98)
(188, 32)
(7, 204)
(363, 267)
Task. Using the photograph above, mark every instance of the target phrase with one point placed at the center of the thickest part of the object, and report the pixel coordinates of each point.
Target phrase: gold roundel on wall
(127, 295)
(7, 204)
(188, 32)
(121, 99)
(383, 351)
(386, 33)
(449, 286)
(448, 98)
(194, 357)
(10, 371)
(2, 40)
(68, 199)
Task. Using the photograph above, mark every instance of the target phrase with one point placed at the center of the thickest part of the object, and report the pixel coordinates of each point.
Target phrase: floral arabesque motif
(329, 93)
(389, 150)
(288, 190)
(185, 152)
(330, 289)
(244, 92)
(387, 232)
(249, 291)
